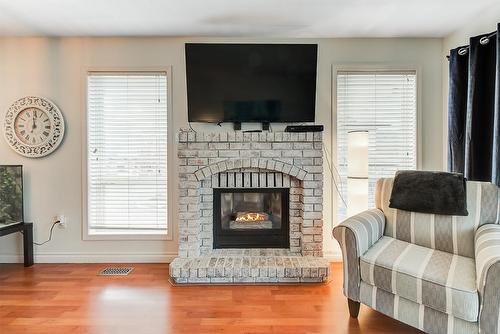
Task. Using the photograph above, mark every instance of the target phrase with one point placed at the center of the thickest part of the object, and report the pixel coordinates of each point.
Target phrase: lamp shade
(357, 154)
(357, 172)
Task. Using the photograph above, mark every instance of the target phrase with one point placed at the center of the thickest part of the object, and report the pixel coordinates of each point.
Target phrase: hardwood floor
(70, 298)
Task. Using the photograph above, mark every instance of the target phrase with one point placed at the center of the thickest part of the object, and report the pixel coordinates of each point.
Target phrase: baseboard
(115, 258)
(333, 256)
(93, 258)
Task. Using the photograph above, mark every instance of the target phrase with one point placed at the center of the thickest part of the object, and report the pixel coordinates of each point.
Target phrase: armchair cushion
(355, 236)
(436, 279)
(487, 247)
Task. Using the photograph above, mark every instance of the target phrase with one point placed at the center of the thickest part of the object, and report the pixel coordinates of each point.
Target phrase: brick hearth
(244, 160)
(250, 266)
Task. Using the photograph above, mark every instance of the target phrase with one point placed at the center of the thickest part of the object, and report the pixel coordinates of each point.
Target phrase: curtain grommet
(484, 40)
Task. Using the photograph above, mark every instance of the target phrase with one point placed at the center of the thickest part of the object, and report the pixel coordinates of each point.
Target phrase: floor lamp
(357, 172)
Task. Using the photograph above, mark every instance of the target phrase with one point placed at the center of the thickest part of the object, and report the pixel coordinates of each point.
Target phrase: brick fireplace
(235, 163)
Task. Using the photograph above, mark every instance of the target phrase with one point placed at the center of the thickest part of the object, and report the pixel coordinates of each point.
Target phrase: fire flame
(251, 217)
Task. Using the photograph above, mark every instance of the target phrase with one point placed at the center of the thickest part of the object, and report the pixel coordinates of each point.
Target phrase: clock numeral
(45, 133)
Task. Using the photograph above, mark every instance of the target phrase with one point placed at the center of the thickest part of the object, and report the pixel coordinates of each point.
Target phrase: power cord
(334, 179)
(50, 234)
(330, 165)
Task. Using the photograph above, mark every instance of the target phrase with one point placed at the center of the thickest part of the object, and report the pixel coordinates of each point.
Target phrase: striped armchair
(438, 273)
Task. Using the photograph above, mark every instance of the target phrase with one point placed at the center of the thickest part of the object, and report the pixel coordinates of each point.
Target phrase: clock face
(32, 126)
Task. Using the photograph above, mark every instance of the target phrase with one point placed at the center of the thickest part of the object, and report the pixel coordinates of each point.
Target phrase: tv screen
(251, 82)
(11, 194)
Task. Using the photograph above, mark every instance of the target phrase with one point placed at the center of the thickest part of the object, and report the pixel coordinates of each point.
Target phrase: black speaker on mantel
(304, 128)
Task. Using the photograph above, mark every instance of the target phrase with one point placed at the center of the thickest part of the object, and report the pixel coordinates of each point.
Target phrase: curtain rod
(484, 40)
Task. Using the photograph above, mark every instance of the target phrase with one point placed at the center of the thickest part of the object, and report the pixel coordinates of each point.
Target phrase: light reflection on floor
(119, 309)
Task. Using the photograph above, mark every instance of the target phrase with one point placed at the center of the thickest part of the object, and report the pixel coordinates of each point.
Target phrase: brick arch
(262, 163)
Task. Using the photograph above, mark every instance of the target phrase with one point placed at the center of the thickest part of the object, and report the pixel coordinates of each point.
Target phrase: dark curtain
(457, 105)
(474, 115)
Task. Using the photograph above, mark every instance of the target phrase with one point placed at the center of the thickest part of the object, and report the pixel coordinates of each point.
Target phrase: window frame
(133, 235)
(369, 67)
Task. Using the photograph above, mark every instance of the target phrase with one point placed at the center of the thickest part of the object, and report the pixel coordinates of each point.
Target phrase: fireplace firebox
(251, 217)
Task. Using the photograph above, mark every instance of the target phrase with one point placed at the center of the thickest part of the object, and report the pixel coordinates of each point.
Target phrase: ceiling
(270, 18)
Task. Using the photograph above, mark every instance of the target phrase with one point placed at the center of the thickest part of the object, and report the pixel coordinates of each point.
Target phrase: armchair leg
(353, 308)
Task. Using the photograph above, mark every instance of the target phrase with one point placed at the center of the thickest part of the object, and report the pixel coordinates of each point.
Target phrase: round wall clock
(34, 127)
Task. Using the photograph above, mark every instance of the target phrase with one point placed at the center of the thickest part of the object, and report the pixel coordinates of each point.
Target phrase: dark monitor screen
(11, 194)
(251, 82)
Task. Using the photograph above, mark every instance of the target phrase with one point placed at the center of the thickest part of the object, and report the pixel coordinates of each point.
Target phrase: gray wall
(55, 68)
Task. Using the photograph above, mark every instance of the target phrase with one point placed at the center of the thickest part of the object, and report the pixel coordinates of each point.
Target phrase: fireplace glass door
(251, 218)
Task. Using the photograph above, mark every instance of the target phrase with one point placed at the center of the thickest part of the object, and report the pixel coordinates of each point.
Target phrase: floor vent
(115, 271)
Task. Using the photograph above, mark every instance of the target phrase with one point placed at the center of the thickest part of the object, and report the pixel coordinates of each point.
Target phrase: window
(126, 153)
(384, 104)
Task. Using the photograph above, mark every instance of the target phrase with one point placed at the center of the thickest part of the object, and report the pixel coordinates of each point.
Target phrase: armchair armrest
(487, 251)
(355, 236)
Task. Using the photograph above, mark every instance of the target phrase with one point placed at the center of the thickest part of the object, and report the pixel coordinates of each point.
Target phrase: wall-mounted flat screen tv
(251, 82)
(11, 194)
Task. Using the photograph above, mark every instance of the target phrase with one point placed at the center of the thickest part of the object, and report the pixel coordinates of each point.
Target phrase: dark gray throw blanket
(430, 192)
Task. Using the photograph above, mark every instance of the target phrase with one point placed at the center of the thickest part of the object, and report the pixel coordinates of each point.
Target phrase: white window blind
(384, 104)
(127, 153)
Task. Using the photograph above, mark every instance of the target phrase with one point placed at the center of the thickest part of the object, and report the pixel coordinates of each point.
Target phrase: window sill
(114, 234)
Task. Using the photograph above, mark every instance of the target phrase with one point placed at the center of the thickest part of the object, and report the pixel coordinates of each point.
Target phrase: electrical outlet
(61, 219)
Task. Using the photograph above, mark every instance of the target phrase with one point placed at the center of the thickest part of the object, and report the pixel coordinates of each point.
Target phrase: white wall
(55, 68)
(487, 22)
